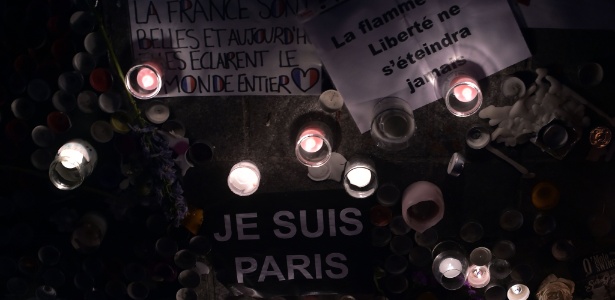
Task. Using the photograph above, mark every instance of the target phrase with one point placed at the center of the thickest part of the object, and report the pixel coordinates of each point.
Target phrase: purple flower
(159, 163)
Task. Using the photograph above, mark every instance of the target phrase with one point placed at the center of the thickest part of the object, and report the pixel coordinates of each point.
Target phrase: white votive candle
(359, 177)
(450, 267)
(244, 178)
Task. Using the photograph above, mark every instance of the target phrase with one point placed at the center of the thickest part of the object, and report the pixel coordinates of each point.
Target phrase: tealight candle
(74, 161)
(144, 81)
(312, 146)
(518, 292)
(360, 177)
(478, 276)
(450, 267)
(461, 94)
(312, 143)
(147, 79)
(244, 178)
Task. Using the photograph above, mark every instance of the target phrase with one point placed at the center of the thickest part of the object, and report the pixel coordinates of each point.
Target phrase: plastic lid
(58, 122)
(94, 44)
(23, 108)
(71, 82)
(84, 62)
(109, 102)
(87, 101)
(101, 79)
(63, 101)
(82, 22)
(42, 136)
(101, 131)
(157, 112)
(38, 90)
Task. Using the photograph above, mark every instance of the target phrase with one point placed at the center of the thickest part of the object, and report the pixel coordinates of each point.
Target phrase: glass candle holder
(478, 276)
(518, 292)
(450, 265)
(480, 256)
(511, 220)
(471, 232)
(244, 178)
(144, 81)
(461, 93)
(504, 249)
(499, 268)
(312, 146)
(360, 180)
(388, 194)
(495, 292)
(73, 162)
(393, 124)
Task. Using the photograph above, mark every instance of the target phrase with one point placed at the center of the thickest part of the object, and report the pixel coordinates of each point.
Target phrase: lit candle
(312, 143)
(244, 178)
(359, 177)
(450, 267)
(464, 92)
(478, 276)
(147, 79)
(518, 292)
(74, 158)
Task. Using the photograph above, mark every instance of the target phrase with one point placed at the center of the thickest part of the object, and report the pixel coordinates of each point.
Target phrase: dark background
(261, 129)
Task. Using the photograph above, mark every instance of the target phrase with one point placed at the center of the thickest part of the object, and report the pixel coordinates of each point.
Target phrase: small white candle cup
(312, 146)
(478, 276)
(461, 93)
(244, 178)
(518, 292)
(73, 162)
(450, 265)
(144, 81)
(360, 179)
(393, 124)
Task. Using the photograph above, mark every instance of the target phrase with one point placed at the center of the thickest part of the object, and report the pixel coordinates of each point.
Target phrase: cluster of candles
(450, 267)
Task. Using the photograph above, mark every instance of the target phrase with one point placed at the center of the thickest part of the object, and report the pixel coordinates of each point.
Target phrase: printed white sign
(373, 49)
(226, 47)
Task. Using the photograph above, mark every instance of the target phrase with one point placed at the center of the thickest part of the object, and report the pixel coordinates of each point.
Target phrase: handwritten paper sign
(291, 244)
(226, 47)
(594, 274)
(374, 49)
